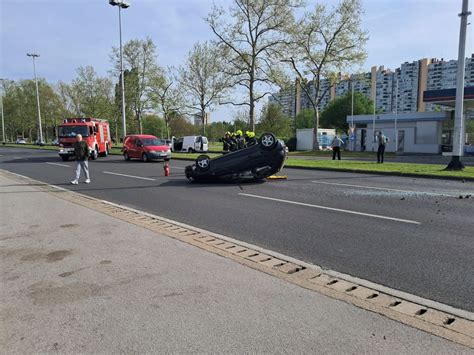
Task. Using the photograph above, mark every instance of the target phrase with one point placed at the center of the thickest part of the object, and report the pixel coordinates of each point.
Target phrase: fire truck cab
(95, 132)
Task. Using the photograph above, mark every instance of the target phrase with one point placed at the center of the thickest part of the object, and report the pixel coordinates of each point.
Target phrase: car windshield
(72, 131)
(152, 141)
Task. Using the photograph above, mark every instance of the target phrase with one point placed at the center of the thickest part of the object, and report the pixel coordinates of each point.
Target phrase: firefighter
(250, 138)
(239, 139)
(226, 142)
(233, 142)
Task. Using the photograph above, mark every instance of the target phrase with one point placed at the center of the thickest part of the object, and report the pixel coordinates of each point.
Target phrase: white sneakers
(75, 182)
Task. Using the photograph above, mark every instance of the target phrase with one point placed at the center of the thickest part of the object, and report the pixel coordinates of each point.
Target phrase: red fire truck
(95, 132)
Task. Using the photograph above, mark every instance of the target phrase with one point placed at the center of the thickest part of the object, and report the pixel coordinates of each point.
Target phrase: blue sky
(73, 33)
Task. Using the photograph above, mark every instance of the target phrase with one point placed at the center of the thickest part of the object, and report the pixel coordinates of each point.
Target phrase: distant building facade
(399, 90)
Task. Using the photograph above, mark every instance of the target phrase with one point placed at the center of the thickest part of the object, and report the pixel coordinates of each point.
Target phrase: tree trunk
(316, 125)
(252, 102)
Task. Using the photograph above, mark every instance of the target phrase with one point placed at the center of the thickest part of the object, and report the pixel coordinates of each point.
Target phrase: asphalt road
(415, 235)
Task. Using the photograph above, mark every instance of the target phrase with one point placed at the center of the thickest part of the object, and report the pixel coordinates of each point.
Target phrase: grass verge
(430, 170)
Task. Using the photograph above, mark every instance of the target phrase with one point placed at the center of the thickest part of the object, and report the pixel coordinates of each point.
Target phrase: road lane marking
(57, 164)
(333, 209)
(384, 188)
(178, 167)
(130, 176)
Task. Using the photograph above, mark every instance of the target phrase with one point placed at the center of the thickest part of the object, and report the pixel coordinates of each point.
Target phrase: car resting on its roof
(255, 162)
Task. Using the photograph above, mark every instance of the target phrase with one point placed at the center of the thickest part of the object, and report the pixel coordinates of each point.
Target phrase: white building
(418, 132)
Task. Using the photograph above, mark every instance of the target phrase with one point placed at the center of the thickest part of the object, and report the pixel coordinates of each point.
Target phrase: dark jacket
(81, 150)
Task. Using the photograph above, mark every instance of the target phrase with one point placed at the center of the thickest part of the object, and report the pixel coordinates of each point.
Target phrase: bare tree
(166, 96)
(252, 41)
(326, 41)
(203, 79)
(139, 57)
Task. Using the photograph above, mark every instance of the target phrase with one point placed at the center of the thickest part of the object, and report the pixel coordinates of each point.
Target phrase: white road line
(57, 164)
(333, 209)
(130, 176)
(177, 167)
(382, 188)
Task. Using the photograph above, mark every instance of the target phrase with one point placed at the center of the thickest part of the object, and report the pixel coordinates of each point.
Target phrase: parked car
(145, 147)
(256, 162)
(191, 144)
(20, 141)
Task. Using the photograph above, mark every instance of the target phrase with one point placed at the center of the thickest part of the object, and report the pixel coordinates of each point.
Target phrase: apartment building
(401, 89)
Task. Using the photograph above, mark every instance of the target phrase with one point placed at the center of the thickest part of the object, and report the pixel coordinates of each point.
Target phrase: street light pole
(3, 119)
(33, 55)
(458, 139)
(121, 5)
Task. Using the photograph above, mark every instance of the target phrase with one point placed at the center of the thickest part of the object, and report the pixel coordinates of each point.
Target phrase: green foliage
(216, 130)
(273, 120)
(305, 119)
(154, 125)
(180, 126)
(335, 114)
(21, 112)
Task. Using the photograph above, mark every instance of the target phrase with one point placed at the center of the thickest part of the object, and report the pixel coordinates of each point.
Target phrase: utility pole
(121, 5)
(3, 118)
(459, 127)
(33, 55)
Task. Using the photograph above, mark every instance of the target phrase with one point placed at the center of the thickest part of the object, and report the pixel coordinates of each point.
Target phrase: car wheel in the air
(268, 141)
(203, 162)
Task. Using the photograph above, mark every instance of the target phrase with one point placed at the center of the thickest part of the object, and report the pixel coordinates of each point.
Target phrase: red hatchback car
(145, 147)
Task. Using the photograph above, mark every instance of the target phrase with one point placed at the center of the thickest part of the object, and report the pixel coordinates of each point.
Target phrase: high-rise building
(380, 85)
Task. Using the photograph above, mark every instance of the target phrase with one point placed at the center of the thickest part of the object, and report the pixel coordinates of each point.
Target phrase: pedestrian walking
(81, 151)
(336, 147)
(382, 140)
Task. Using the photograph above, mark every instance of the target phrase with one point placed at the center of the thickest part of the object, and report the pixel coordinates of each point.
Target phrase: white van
(191, 144)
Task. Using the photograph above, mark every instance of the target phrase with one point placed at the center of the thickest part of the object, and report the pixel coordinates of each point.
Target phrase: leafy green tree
(323, 42)
(304, 119)
(180, 126)
(274, 121)
(154, 125)
(336, 112)
(20, 109)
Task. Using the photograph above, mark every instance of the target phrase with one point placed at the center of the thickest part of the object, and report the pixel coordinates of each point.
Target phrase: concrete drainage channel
(432, 317)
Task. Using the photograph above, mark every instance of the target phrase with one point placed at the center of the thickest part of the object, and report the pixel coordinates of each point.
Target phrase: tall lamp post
(3, 119)
(121, 5)
(459, 128)
(33, 55)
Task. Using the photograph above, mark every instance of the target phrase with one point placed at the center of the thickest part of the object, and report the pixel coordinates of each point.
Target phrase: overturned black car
(256, 162)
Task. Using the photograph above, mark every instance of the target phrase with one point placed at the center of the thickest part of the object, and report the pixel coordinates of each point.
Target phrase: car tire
(203, 162)
(167, 159)
(268, 141)
(191, 150)
(106, 153)
(65, 157)
(126, 156)
(145, 158)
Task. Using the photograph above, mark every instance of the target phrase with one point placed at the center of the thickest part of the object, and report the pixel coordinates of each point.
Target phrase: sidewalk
(76, 281)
